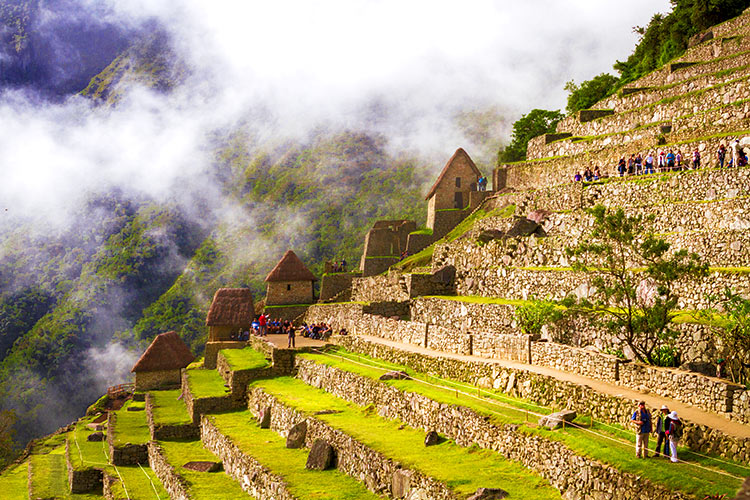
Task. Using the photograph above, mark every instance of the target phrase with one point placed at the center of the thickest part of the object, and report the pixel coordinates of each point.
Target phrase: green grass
(244, 359)
(617, 454)
(49, 475)
(270, 449)
(206, 384)
(202, 485)
(168, 409)
(14, 482)
(92, 454)
(426, 231)
(462, 469)
(267, 308)
(479, 300)
(131, 428)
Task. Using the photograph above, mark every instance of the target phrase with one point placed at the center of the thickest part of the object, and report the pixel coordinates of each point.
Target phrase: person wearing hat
(642, 419)
(660, 429)
(674, 432)
(736, 148)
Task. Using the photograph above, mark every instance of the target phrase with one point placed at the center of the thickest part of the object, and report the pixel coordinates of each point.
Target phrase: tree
(734, 333)
(533, 124)
(583, 96)
(536, 314)
(633, 280)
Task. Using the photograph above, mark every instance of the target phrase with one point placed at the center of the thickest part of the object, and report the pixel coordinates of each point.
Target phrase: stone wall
(389, 287)
(286, 313)
(165, 431)
(289, 292)
(709, 393)
(253, 477)
(213, 348)
(161, 379)
(376, 471)
(584, 362)
(522, 284)
(237, 380)
(81, 480)
(173, 483)
(574, 475)
(469, 316)
(200, 406)
(334, 286)
(440, 338)
(512, 347)
(128, 454)
(546, 391)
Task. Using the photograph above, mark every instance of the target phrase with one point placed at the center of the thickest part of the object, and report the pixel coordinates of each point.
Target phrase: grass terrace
(201, 485)
(131, 427)
(206, 384)
(169, 408)
(464, 470)
(609, 444)
(49, 476)
(14, 482)
(245, 359)
(270, 449)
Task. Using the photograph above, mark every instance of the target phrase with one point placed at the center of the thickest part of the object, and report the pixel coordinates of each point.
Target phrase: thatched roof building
(231, 310)
(290, 282)
(290, 268)
(162, 363)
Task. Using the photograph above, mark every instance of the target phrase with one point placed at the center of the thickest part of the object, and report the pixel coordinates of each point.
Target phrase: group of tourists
(668, 161)
(319, 331)
(667, 429)
(338, 267)
(482, 183)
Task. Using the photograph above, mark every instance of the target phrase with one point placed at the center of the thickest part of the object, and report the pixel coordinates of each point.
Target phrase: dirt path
(281, 340)
(685, 411)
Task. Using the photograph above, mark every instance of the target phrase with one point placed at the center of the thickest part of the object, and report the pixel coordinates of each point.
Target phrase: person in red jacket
(262, 325)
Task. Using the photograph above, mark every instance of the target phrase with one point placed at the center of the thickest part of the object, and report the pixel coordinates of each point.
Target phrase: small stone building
(453, 194)
(231, 312)
(290, 282)
(384, 244)
(162, 363)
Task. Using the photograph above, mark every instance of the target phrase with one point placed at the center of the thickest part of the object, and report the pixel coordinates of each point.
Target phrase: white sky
(309, 63)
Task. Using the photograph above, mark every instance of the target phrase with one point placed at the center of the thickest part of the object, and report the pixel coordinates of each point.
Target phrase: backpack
(677, 432)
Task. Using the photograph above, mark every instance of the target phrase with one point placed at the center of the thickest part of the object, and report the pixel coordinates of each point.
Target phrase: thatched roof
(460, 153)
(290, 268)
(166, 352)
(231, 307)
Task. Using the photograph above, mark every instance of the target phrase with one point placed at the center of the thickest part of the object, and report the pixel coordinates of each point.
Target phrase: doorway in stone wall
(458, 200)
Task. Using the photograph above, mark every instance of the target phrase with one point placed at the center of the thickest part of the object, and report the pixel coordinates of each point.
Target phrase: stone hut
(162, 364)
(453, 194)
(290, 282)
(231, 311)
(384, 244)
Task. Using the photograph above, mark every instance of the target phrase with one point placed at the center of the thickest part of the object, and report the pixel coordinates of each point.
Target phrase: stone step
(167, 459)
(647, 137)
(388, 456)
(167, 416)
(694, 102)
(259, 460)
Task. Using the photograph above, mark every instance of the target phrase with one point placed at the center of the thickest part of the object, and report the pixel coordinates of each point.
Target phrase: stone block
(297, 435)
(488, 494)
(555, 420)
(431, 438)
(321, 456)
(265, 418)
(401, 483)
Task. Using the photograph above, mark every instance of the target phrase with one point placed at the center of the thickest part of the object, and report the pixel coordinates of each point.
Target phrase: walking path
(691, 413)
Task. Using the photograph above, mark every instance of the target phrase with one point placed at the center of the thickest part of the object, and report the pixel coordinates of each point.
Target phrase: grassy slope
(168, 409)
(245, 359)
(206, 383)
(464, 470)
(503, 410)
(270, 449)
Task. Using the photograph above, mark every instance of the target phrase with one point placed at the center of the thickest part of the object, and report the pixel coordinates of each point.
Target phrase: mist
(423, 77)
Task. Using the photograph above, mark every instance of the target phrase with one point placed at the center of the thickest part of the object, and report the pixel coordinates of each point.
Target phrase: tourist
(736, 152)
(720, 367)
(696, 159)
(721, 154)
(482, 183)
(621, 168)
(290, 337)
(670, 160)
(587, 175)
(662, 161)
(638, 164)
(742, 160)
(660, 430)
(674, 432)
(578, 177)
(631, 165)
(262, 325)
(649, 162)
(642, 419)
(597, 174)
(678, 158)
(343, 265)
